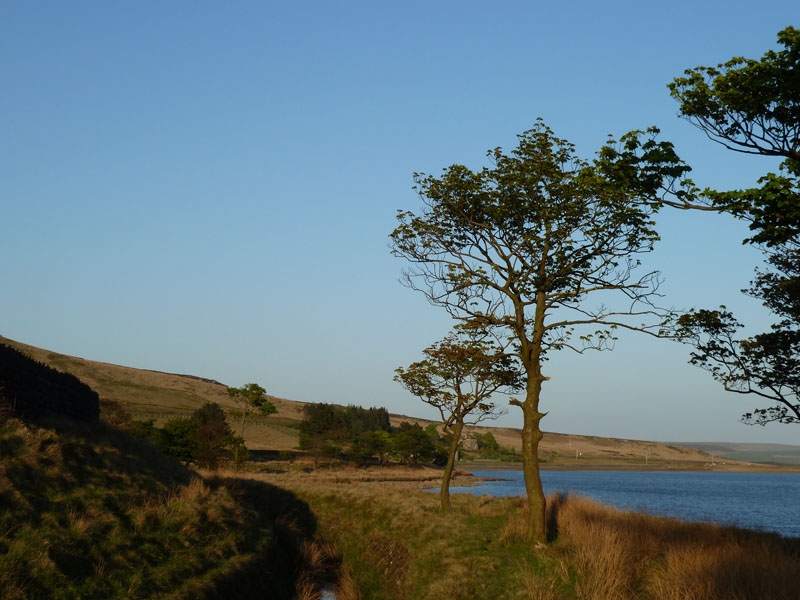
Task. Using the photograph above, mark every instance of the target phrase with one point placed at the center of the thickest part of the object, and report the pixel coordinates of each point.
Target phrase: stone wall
(31, 389)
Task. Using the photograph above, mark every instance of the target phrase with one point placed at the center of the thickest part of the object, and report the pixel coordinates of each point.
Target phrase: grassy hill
(87, 511)
(158, 395)
(772, 454)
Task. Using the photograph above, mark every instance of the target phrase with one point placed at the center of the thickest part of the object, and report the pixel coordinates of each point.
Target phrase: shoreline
(718, 468)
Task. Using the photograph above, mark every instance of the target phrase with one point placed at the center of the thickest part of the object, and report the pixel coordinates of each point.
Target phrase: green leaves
(539, 223)
(748, 105)
(753, 106)
(251, 398)
(460, 374)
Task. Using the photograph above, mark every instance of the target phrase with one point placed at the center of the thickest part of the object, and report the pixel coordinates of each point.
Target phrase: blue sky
(204, 188)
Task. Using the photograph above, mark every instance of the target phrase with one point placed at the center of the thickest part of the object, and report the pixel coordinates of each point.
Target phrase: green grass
(88, 512)
(397, 543)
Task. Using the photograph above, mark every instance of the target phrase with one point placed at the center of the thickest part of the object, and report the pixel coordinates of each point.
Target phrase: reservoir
(761, 501)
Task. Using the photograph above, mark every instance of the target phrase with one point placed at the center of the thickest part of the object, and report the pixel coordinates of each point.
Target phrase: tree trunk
(531, 432)
(531, 436)
(448, 469)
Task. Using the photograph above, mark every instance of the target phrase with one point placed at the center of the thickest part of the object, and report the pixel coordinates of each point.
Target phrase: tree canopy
(753, 106)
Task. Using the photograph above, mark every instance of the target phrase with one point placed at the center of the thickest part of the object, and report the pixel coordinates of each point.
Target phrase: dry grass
(622, 555)
(396, 544)
(347, 586)
(87, 512)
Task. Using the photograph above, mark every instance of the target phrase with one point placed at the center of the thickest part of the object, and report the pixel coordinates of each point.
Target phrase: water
(765, 501)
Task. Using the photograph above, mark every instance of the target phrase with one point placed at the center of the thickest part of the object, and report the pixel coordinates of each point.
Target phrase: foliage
(211, 434)
(487, 442)
(518, 248)
(458, 376)
(250, 398)
(238, 450)
(178, 438)
(413, 444)
(753, 106)
(375, 443)
(144, 429)
(327, 428)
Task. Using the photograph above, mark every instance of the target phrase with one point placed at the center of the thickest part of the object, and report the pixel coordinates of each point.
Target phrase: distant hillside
(158, 395)
(773, 454)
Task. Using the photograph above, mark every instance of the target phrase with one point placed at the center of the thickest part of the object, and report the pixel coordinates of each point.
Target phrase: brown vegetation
(607, 554)
(153, 394)
(89, 512)
(395, 542)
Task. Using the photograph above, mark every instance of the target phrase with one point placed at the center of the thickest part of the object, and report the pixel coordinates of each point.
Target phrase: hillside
(158, 395)
(87, 511)
(774, 454)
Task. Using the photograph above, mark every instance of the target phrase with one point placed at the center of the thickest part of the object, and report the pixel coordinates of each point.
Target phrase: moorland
(89, 511)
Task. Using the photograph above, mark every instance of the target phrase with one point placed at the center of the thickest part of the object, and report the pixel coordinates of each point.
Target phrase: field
(91, 513)
(395, 542)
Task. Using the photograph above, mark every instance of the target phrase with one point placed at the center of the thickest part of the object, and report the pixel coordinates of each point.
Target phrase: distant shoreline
(719, 468)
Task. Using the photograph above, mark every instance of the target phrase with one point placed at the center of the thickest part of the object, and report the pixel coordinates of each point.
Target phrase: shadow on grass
(65, 480)
(278, 570)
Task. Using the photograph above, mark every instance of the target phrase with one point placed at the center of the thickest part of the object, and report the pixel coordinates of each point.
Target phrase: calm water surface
(767, 501)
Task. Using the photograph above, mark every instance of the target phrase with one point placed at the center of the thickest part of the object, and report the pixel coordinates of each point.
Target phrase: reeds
(624, 555)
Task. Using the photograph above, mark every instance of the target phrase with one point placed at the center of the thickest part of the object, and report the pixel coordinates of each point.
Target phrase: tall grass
(607, 554)
(87, 512)
(395, 543)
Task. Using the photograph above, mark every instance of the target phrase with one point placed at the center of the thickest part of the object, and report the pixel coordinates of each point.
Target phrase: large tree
(753, 106)
(458, 376)
(521, 247)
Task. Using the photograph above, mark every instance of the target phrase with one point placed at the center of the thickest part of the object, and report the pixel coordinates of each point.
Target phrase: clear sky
(207, 188)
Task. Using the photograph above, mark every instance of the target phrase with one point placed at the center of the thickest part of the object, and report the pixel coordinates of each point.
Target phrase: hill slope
(89, 512)
(774, 454)
(158, 395)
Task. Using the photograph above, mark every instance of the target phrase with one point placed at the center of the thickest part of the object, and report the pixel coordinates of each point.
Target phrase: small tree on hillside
(458, 377)
(177, 437)
(250, 399)
(211, 434)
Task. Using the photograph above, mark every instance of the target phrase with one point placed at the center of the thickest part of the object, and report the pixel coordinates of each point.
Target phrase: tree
(377, 443)
(323, 430)
(488, 443)
(753, 106)
(519, 247)
(458, 377)
(251, 399)
(238, 449)
(211, 434)
(177, 438)
(412, 443)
